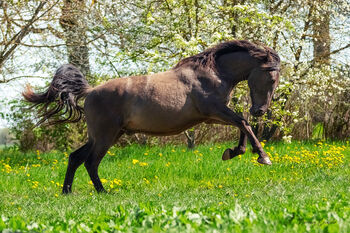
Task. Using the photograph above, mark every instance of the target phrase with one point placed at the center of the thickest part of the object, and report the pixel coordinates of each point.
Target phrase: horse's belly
(162, 122)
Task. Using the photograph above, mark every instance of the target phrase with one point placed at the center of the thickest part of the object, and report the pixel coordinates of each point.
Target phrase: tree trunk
(321, 33)
(73, 22)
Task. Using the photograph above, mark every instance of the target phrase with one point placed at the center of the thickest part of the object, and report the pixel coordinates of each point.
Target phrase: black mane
(207, 59)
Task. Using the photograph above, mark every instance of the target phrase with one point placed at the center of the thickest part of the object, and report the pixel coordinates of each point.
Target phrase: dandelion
(135, 161)
(143, 164)
(160, 154)
(145, 153)
(146, 181)
(104, 181)
(220, 186)
(167, 164)
(172, 150)
(262, 144)
(56, 195)
(117, 182)
(220, 203)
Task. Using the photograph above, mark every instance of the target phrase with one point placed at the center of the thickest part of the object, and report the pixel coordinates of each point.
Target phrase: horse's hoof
(264, 160)
(66, 191)
(229, 154)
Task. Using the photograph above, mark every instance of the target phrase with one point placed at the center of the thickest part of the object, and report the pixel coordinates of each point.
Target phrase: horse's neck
(236, 67)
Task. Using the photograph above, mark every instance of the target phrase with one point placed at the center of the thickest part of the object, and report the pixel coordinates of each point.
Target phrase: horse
(196, 90)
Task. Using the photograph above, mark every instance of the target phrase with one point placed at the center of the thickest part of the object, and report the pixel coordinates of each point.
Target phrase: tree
(16, 24)
(73, 22)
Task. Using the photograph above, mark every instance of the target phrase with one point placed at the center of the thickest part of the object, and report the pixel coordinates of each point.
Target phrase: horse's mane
(207, 59)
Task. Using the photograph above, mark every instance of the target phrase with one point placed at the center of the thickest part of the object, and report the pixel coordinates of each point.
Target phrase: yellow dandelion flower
(160, 154)
(143, 164)
(135, 161)
(262, 144)
(146, 181)
(104, 181)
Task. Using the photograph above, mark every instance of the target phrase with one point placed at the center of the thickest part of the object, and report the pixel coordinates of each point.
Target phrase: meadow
(172, 189)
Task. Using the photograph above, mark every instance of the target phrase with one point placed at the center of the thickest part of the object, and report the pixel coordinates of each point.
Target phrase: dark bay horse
(196, 90)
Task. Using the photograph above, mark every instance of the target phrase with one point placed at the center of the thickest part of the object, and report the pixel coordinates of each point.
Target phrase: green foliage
(155, 189)
(28, 136)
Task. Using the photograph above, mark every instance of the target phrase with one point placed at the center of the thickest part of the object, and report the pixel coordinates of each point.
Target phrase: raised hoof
(229, 154)
(264, 160)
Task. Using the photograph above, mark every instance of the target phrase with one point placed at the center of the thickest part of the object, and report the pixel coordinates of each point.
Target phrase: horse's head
(262, 83)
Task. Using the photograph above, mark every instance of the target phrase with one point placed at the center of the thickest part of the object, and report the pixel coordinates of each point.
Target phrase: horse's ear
(268, 56)
(269, 63)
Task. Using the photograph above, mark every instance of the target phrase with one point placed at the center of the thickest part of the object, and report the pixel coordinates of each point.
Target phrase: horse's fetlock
(241, 149)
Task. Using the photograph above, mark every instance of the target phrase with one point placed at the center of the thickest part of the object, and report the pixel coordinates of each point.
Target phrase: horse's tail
(60, 100)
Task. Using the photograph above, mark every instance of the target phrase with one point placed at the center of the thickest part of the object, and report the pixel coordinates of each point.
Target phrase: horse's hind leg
(238, 150)
(103, 140)
(76, 158)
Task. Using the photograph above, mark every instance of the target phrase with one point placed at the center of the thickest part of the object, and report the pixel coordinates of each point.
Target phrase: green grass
(306, 189)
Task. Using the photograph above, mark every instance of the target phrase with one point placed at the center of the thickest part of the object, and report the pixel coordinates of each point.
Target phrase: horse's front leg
(238, 150)
(225, 114)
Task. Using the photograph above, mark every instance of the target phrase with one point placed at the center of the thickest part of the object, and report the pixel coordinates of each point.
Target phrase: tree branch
(16, 39)
(19, 77)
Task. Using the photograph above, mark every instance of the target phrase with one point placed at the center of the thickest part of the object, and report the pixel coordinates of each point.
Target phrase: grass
(156, 189)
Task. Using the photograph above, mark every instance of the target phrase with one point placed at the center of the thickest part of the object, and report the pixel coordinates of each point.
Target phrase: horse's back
(155, 104)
